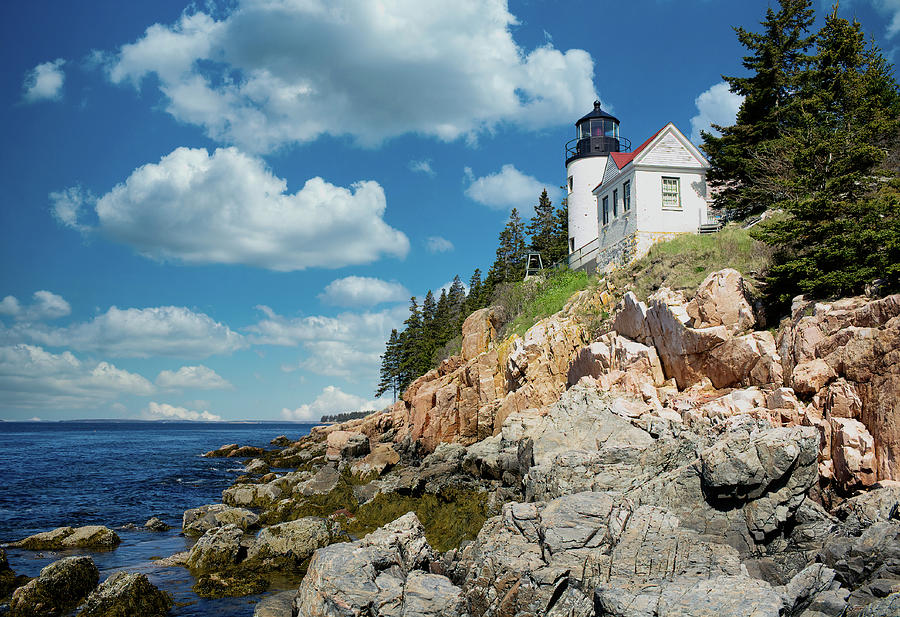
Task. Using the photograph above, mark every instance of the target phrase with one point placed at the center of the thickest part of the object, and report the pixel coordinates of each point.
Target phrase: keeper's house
(622, 201)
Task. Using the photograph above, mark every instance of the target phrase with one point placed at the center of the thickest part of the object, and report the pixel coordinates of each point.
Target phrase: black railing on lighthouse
(601, 145)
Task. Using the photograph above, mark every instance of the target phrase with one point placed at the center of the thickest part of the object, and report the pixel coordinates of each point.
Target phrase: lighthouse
(596, 137)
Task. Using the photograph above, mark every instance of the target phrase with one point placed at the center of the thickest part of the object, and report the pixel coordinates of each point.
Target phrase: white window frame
(672, 181)
(615, 203)
(604, 210)
(626, 196)
(570, 183)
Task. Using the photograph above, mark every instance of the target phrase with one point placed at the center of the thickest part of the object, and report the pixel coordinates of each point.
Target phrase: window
(615, 203)
(606, 210)
(571, 245)
(570, 184)
(626, 196)
(671, 193)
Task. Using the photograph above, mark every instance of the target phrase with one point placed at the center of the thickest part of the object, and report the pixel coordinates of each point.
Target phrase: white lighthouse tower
(596, 136)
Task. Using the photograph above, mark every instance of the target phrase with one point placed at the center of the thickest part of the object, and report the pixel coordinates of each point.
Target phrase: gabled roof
(621, 159)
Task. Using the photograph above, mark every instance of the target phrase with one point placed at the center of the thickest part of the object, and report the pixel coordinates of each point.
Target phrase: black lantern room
(596, 134)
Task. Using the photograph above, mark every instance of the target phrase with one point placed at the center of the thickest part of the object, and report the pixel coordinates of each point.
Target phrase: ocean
(117, 473)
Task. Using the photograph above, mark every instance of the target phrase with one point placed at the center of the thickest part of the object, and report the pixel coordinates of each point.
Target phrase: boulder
(8, 578)
(95, 537)
(275, 605)
(720, 301)
(245, 452)
(256, 467)
(126, 594)
(197, 521)
(810, 377)
(155, 524)
(58, 589)
(323, 482)
(218, 549)
(374, 575)
(382, 457)
(221, 452)
(346, 444)
(281, 441)
(252, 495)
(288, 545)
(879, 503)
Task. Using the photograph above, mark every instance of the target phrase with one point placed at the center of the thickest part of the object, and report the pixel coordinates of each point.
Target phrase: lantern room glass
(601, 127)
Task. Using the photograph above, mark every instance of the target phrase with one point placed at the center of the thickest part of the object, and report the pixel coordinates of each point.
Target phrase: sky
(219, 210)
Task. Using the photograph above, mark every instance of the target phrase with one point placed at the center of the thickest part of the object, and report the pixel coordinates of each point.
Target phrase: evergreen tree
(456, 300)
(540, 228)
(473, 298)
(411, 346)
(430, 334)
(390, 367)
(559, 245)
(842, 211)
(776, 60)
(510, 262)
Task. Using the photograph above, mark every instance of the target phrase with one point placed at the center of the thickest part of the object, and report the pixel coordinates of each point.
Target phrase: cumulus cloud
(140, 333)
(437, 244)
(362, 291)
(257, 77)
(333, 400)
(44, 82)
(717, 105)
(228, 208)
(348, 345)
(198, 377)
(46, 305)
(31, 377)
(164, 411)
(506, 189)
(423, 167)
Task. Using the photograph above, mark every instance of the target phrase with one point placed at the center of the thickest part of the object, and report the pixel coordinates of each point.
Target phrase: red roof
(621, 159)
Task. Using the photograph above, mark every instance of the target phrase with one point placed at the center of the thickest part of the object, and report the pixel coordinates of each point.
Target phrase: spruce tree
(430, 333)
(456, 300)
(559, 245)
(473, 298)
(839, 232)
(540, 228)
(776, 60)
(509, 264)
(390, 367)
(411, 346)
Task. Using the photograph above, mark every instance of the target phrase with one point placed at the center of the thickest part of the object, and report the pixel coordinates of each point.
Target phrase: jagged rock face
(847, 353)
(380, 575)
(479, 332)
(688, 354)
(720, 301)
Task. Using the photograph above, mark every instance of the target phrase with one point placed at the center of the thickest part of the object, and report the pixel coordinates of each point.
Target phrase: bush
(530, 301)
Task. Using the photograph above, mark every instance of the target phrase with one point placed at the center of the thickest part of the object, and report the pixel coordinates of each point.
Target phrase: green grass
(530, 301)
(683, 263)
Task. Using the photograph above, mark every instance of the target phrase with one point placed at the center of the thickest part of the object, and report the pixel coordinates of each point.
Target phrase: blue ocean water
(119, 473)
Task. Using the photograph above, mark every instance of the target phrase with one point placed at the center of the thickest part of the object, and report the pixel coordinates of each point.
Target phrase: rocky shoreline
(681, 464)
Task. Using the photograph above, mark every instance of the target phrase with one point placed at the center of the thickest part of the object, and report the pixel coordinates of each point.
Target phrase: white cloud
(198, 377)
(423, 167)
(46, 305)
(228, 208)
(164, 411)
(31, 377)
(141, 333)
(717, 105)
(506, 189)
(891, 8)
(274, 72)
(347, 345)
(44, 82)
(362, 291)
(437, 244)
(333, 400)
(68, 205)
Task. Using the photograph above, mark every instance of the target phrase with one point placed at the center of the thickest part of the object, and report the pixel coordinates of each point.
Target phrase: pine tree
(540, 228)
(456, 300)
(841, 209)
(776, 60)
(473, 298)
(430, 333)
(390, 367)
(509, 264)
(559, 246)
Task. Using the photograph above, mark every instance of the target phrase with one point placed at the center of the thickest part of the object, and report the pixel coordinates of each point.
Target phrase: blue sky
(220, 210)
